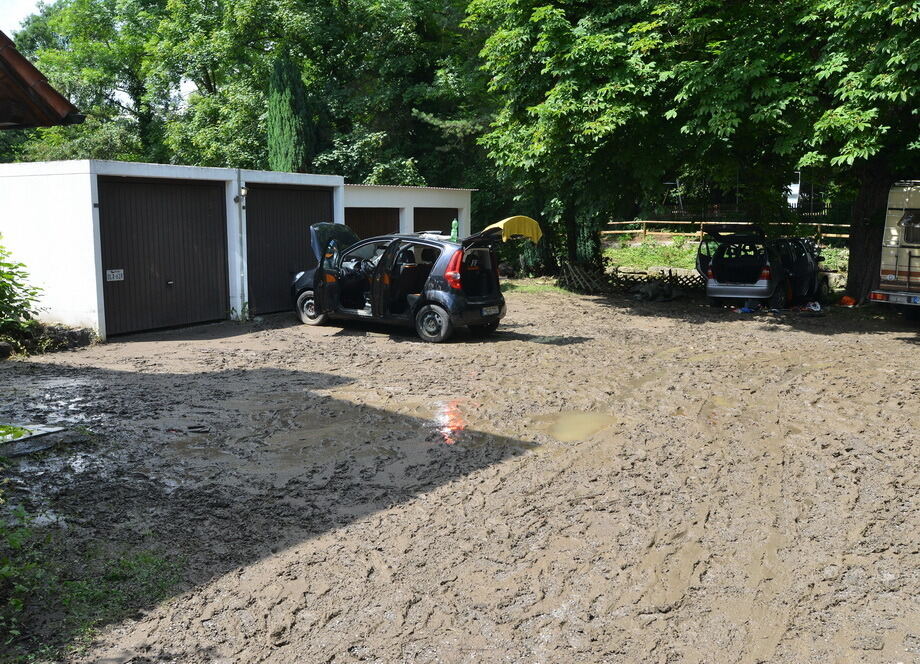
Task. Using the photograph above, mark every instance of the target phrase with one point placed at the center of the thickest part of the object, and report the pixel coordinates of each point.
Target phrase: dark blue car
(423, 280)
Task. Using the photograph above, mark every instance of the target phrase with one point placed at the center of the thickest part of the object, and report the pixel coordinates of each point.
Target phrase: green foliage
(74, 588)
(22, 574)
(289, 137)
(17, 298)
(531, 286)
(9, 432)
(645, 255)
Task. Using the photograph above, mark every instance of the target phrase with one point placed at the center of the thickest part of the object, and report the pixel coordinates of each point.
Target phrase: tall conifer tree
(288, 131)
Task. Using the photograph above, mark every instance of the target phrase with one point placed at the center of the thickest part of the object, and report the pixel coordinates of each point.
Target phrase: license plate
(904, 299)
(490, 311)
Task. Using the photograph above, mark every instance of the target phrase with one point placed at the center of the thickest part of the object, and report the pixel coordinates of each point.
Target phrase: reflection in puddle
(574, 426)
(450, 422)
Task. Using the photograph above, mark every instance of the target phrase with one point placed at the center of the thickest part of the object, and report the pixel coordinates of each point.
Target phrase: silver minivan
(741, 263)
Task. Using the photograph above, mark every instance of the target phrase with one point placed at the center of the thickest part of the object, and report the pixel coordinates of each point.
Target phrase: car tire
(433, 324)
(779, 298)
(483, 330)
(306, 309)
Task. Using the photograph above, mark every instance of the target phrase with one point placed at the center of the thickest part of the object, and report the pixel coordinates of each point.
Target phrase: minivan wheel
(306, 309)
(483, 330)
(778, 299)
(433, 324)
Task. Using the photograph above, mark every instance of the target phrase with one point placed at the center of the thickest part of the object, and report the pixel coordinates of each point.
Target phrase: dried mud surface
(601, 481)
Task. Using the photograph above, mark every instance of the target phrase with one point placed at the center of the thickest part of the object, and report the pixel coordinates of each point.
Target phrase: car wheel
(433, 324)
(306, 309)
(483, 330)
(779, 299)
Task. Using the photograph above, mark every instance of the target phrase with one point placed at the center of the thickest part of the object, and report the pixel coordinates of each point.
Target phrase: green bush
(17, 298)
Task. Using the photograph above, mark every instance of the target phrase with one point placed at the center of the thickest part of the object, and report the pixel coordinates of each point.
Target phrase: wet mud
(601, 481)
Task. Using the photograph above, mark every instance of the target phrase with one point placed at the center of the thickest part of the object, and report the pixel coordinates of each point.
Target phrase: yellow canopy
(519, 226)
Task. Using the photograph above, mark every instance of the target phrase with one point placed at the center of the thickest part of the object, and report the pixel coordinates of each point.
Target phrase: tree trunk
(571, 232)
(867, 225)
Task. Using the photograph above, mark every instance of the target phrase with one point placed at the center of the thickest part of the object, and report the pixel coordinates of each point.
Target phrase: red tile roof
(26, 98)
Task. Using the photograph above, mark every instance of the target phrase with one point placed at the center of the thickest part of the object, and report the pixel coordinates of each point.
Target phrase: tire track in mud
(741, 491)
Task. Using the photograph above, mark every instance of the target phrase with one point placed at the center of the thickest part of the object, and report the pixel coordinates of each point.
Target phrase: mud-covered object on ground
(604, 480)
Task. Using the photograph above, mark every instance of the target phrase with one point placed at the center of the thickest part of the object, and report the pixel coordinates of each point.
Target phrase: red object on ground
(847, 301)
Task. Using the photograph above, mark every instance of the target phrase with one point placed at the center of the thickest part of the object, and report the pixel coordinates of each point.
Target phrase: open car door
(382, 280)
(327, 279)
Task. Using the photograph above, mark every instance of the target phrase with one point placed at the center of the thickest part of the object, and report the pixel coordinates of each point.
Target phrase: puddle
(573, 426)
(450, 422)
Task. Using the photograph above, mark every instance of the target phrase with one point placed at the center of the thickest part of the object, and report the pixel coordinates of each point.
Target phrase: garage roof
(26, 98)
(405, 186)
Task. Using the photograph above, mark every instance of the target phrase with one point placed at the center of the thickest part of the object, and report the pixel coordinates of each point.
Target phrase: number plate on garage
(490, 311)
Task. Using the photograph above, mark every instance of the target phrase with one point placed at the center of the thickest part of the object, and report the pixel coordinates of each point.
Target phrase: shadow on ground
(219, 470)
(694, 309)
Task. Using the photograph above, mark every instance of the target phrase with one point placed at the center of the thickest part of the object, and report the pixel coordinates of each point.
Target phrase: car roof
(412, 237)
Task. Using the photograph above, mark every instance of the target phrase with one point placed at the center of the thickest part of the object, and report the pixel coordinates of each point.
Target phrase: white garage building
(123, 247)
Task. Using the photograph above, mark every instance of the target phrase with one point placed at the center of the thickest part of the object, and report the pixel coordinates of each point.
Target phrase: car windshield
(344, 237)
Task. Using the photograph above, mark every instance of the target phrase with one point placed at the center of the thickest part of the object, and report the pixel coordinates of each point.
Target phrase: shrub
(17, 298)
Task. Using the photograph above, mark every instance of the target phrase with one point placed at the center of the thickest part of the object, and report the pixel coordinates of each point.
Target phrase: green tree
(289, 136)
(829, 85)
(96, 52)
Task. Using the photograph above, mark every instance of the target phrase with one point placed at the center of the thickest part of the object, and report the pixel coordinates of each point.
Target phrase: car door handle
(170, 283)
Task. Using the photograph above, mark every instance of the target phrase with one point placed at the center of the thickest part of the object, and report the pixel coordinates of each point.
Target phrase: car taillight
(452, 274)
(766, 273)
(879, 297)
(709, 274)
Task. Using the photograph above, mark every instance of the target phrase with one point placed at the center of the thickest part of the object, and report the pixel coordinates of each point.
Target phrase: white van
(900, 272)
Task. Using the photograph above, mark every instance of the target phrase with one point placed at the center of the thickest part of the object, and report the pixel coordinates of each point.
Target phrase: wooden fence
(697, 228)
(577, 278)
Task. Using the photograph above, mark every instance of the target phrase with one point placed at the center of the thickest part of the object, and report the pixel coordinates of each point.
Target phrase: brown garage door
(368, 222)
(164, 252)
(434, 219)
(278, 219)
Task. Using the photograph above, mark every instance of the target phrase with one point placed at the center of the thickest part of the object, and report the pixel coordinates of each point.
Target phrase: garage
(278, 219)
(164, 252)
(368, 222)
(435, 219)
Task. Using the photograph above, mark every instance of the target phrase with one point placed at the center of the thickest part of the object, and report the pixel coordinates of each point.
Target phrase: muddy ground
(601, 481)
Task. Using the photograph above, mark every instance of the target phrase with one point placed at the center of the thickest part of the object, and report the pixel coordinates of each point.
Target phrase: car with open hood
(425, 280)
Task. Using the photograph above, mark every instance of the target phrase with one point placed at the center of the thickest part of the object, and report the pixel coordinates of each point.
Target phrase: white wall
(408, 198)
(47, 222)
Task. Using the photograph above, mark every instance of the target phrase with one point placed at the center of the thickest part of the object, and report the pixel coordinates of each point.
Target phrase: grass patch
(531, 286)
(681, 254)
(835, 258)
(10, 432)
(55, 593)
